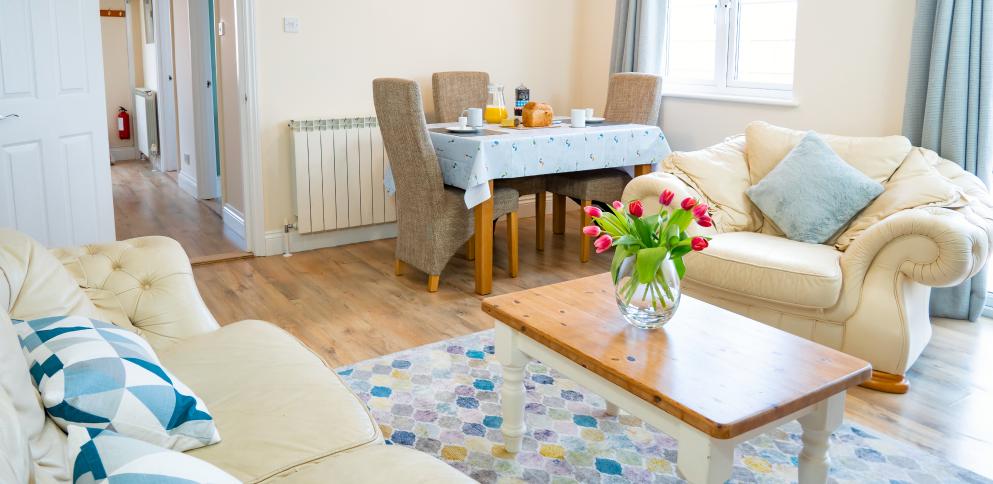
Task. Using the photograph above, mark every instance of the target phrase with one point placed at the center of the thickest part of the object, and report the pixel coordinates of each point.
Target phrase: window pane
(692, 40)
(766, 40)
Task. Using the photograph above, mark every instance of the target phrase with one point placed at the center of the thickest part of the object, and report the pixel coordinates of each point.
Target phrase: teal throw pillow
(812, 194)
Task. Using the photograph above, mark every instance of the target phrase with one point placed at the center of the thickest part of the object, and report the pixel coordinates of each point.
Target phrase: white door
(168, 136)
(54, 154)
(201, 54)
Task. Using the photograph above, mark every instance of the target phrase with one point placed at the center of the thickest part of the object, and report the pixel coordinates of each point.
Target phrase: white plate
(596, 120)
(456, 129)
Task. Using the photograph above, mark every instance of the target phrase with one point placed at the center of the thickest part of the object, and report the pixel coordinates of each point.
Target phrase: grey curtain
(948, 109)
(639, 28)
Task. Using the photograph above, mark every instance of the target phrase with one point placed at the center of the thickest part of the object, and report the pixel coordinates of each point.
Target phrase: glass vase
(647, 305)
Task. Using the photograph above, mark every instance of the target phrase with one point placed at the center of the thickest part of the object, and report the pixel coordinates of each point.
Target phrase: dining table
(472, 161)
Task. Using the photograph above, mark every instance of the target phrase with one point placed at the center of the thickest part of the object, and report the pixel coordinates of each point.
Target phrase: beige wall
(116, 69)
(851, 74)
(327, 69)
(229, 106)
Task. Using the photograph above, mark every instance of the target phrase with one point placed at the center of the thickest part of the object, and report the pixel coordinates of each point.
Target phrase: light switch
(291, 25)
(220, 28)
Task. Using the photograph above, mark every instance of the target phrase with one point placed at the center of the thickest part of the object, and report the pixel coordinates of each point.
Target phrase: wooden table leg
(539, 220)
(817, 428)
(558, 213)
(513, 361)
(483, 214)
(701, 458)
(584, 242)
(642, 170)
(512, 244)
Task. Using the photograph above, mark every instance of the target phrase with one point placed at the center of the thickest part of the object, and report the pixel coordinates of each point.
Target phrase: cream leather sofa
(284, 416)
(870, 300)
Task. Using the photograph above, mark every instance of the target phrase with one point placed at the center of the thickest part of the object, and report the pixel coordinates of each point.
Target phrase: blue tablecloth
(470, 162)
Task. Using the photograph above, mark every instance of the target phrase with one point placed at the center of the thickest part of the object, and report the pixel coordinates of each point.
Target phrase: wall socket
(186, 158)
(291, 25)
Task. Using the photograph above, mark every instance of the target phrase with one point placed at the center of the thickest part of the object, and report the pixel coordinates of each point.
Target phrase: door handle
(208, 84)
(11, 115)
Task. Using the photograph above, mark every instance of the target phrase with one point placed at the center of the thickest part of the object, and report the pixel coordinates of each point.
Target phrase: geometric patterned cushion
(102, 456)
(101, 376)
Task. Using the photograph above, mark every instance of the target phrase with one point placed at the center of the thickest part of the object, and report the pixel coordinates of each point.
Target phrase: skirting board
(234, 221)
(123, 153)
(334, 238)
(187, 183)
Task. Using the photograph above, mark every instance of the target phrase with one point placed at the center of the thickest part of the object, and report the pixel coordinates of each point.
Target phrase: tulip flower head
(593, 211)
(591, 231)
(666, 197)
(705, 221)
(603, 243)
(636, 208)
(699, 243)
(688, 203)
(617, 205)
(700, 210)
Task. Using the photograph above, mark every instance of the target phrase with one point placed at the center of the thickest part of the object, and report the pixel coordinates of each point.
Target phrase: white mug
(463, 121)
(578, 118)
(475, 117)
(589, 113)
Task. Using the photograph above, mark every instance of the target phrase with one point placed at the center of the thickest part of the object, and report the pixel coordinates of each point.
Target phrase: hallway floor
(147, 202)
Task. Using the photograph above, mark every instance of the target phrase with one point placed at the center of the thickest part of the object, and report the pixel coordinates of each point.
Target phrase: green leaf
(680, 267)
(627, 239)
(643, 231)
(620, 253)
(648, 263)
(681, 250)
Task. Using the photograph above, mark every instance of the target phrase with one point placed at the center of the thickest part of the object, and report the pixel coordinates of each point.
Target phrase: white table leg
(703, 459)
(512, 391)
(612, 409)
(817, 428)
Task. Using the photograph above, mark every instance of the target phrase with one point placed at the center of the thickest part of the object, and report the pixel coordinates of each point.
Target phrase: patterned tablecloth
(471, 161)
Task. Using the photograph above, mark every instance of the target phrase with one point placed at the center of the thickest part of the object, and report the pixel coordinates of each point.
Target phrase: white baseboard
(187, 183)
(234, 221)
(333, 238)
(124, 153)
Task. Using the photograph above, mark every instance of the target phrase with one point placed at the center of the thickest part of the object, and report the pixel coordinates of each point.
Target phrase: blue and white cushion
(102, 456)
(98, 375)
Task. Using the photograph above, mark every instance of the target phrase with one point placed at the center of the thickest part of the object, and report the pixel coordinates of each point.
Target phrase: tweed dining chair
(432, 219)
(456, 91)
(631, 98)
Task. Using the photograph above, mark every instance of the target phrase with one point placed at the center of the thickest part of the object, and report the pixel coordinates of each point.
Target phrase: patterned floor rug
(444, 399)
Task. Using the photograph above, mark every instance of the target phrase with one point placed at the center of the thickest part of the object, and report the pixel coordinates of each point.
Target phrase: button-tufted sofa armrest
(145, 283)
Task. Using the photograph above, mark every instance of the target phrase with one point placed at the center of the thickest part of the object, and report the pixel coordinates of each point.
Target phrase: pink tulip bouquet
(644, 245)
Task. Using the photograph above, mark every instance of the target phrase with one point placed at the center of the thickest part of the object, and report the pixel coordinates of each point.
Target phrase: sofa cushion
(392, 464)
(275, 402)
(95, 374)
(15, 455)
(102, 456)
(915, 184)
(770, 268)
(720, 174)
(812, 194)
(876, 157)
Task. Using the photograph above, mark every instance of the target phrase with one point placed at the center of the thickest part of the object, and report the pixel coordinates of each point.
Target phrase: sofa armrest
(647, 188)
(933, 246)
(145, 282)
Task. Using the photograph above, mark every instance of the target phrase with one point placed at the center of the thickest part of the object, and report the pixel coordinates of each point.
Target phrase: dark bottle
(521, 97)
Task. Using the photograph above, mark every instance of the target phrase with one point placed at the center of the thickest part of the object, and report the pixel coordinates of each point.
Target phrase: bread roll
(537, 115)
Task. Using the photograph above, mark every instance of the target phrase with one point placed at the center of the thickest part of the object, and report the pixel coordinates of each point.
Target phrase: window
(730, 49)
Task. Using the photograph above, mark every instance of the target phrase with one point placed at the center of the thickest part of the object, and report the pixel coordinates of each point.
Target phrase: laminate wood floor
(346, 304)
(148, 202)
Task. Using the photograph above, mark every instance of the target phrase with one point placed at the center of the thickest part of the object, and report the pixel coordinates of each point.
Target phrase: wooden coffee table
(710, 378)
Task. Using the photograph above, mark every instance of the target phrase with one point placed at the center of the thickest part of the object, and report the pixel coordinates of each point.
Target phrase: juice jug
(496, 108)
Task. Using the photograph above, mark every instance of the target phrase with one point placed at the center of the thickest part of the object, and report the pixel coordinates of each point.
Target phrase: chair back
(457, 90)
(634, 98)
(413, 161)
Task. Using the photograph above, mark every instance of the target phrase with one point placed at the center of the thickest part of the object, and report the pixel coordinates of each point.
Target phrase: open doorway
(171, 66)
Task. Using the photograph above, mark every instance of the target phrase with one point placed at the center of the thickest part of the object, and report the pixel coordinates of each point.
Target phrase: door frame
(251, 145)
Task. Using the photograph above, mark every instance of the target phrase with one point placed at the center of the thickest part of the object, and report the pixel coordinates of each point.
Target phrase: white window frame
(723, 87)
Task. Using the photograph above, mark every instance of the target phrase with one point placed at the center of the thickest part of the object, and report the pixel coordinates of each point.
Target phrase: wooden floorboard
(148, 202)
(346, 304)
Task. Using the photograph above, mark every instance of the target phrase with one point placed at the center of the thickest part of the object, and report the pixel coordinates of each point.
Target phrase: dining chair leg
(512, 242)
(584, 241)
(433, 281)
(539, 221)
(470, 249)
(398, 267)
(558, 213)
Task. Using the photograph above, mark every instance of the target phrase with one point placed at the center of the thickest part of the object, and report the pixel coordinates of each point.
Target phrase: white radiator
(146, 123)
(339, 166)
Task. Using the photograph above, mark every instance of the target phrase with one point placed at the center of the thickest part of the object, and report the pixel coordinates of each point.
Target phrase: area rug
(443, 399)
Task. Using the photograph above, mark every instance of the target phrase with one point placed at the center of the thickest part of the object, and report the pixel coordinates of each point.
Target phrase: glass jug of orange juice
(496, 108)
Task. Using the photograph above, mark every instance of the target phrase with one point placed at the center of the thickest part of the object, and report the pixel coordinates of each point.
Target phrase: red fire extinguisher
(123, 124)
